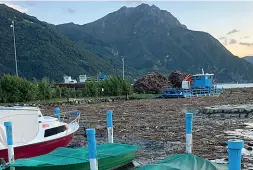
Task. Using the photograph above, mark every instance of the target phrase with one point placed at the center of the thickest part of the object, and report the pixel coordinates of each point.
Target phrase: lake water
(235, 85)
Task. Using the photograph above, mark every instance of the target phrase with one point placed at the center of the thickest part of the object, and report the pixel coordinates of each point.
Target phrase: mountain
(148, 38)
(248, 58)
(97, 46)
(151, 39)
(43, 51)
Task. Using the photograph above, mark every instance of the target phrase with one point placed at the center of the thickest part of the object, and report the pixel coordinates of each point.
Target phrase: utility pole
(14, 42)
(123, 69)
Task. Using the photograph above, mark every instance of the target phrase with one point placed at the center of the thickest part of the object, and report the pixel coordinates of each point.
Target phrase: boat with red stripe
(35, 134)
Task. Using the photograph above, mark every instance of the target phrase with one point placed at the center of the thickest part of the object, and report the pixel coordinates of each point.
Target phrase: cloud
(222, 38)
(30, 3)
(233, 41)
(246, 37)
(17, 7)
(225, 42)
(246, 44)
(71, 11)
(135, 2)
(232, 32)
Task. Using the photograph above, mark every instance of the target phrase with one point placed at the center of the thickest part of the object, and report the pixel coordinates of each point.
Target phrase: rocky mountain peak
(152, 13)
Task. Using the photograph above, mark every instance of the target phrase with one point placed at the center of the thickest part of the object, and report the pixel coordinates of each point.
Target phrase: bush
(15, 89)
(91, 89)
(116, 86)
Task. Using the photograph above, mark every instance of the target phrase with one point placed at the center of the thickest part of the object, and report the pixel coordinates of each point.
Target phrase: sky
(229, 22)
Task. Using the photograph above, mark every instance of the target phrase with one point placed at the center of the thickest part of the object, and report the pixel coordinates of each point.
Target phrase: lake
(235, 85)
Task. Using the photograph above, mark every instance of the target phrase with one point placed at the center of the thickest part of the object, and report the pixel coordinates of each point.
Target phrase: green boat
(109, 155)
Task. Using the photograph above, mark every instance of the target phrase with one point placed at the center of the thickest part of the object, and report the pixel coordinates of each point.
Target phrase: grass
(134, 96)
(38, 101)
(137, 96)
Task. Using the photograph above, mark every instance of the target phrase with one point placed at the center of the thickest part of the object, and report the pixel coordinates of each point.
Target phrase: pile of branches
(151, 83)
(176, 79)
(155, 82)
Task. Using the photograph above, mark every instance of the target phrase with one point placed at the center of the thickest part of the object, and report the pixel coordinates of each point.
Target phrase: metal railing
(66, 116)
(191, 92)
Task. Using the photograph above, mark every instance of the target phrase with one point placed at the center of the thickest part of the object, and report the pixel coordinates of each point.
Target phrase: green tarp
(108, 155)
(184, 162)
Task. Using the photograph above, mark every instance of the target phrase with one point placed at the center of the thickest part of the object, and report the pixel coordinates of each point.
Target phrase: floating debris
(158, 126)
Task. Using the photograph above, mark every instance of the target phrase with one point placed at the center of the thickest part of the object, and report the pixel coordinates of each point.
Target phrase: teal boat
(184, 162)
(109, 155)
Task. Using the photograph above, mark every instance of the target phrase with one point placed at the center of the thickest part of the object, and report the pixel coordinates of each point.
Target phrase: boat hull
(37, 149)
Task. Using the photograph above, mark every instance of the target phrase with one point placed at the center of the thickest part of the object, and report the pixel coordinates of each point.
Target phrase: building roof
(206, 74)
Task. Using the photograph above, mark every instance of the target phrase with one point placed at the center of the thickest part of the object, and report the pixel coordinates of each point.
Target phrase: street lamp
(12, 26)
(123, 70)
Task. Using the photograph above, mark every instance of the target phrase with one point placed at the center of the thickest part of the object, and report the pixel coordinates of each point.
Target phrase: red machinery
(189, 79)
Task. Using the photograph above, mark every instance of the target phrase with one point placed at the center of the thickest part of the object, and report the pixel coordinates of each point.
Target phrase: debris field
(158, 125)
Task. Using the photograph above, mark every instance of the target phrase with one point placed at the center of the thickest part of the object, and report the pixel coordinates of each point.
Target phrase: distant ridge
(151, 39)
(249, 59)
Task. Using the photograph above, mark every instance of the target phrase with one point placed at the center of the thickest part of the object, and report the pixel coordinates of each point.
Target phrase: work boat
(35, 134)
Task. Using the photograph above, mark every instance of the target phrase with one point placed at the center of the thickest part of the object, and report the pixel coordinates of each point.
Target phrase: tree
(127, 88)
(44, 89)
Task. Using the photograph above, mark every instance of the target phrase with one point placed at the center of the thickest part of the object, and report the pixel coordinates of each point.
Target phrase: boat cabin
(28, 125)
(202, 80)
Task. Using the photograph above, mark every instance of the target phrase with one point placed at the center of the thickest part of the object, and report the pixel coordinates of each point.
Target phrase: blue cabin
(202, 81)
(102, 77)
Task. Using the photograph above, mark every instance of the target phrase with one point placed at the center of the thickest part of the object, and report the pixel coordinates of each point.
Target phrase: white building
(82, 78)
(68, 79)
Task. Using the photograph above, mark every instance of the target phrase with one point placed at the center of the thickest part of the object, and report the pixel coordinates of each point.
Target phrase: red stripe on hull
(37, 149)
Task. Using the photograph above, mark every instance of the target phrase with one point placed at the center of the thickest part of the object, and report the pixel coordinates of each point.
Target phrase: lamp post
(14, 42)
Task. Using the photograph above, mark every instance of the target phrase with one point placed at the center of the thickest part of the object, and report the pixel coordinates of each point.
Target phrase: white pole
(92, 148)
(188, 117)
(8, 126)
(109, 126)
(14, 42)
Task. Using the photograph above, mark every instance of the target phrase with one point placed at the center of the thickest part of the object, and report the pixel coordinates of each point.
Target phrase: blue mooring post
(234, 154)
(57, 111)
(8, 126)
(188, 123)
(109, 126)
(92, 148)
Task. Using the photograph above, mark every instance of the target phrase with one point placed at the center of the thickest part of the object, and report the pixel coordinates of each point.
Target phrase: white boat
(35, 134)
